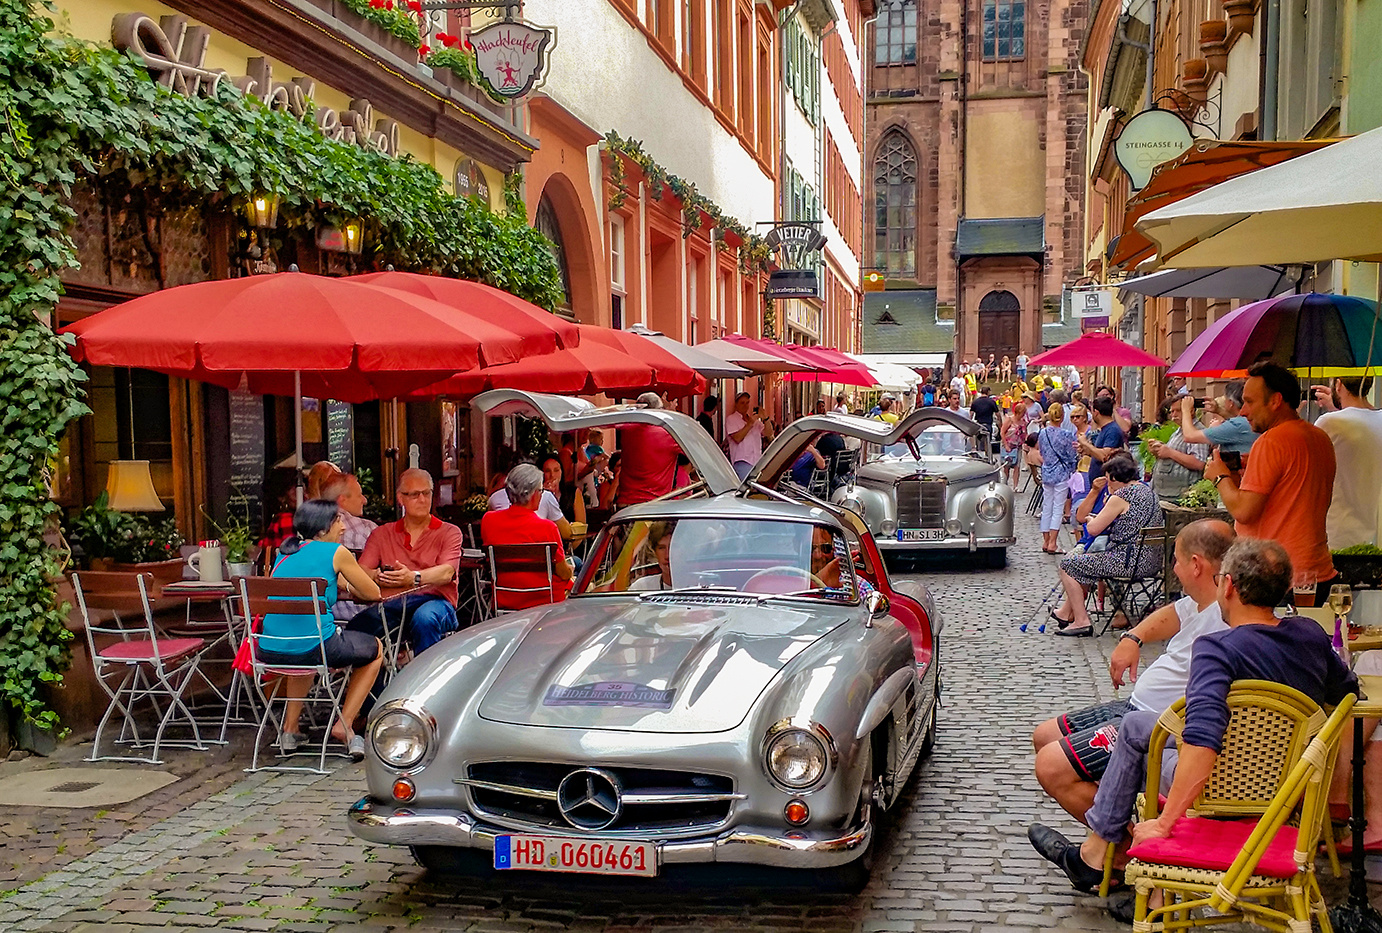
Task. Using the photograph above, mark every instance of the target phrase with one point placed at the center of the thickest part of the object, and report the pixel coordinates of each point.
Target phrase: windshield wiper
(684, 590)
(819, 592)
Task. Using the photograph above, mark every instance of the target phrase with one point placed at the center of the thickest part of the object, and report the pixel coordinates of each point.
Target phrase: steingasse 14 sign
(1149, 139)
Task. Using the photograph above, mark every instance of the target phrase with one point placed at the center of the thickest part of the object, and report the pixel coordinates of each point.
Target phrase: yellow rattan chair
(1279, 753)
(1269, 727)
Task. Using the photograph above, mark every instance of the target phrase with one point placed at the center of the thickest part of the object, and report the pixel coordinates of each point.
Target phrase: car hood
(954, 469)
(651, 666)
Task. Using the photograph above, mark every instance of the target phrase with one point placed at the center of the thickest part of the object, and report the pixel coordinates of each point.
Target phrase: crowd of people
(1294, 491)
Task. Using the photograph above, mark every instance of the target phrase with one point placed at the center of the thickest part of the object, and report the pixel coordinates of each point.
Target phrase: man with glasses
(419, 551)
(1254, 578)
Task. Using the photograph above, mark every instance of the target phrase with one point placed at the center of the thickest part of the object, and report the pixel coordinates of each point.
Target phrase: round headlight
(855, 505)
(953, 527)
(992, 508)
(399, 738)
(796, 759)
(889, 527)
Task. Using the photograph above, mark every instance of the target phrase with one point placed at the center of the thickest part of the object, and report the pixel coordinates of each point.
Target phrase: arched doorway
(546, 224)
(1000, 325)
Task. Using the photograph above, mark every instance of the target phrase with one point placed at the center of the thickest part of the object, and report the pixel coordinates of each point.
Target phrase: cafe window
(895, 206)
(546, 223)
(1005, 30)
(895, 33)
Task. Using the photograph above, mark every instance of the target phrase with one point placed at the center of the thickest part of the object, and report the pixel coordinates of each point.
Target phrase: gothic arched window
(895, 206)
(895, 33)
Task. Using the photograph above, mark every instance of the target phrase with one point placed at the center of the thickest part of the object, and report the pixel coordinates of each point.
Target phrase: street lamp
(262, 211)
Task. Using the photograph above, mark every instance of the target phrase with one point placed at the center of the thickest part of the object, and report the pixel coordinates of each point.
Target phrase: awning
(1247, 282)
(1325, 205)
(1205, 165)
(836, 367)
(708, 365)
(910, 360)
(752, 358)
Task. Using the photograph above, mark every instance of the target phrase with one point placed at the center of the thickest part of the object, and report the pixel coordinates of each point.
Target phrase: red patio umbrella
(798, 361)
(292, 333)
(838, 368)
(540, 331)
(598, 364)
(1096, 349)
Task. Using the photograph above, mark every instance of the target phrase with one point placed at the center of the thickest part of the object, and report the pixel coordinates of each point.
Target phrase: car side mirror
(878, 605)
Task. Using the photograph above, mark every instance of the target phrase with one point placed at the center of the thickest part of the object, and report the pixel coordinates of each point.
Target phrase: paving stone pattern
(271, 852)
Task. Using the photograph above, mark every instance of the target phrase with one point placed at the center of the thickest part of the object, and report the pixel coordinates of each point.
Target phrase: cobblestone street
(271, 852)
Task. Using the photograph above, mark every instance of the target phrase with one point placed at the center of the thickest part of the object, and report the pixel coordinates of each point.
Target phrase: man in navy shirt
(1295, 651)
(1110, 438)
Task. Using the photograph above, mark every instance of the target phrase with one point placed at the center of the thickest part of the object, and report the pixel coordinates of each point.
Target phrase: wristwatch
(1218, 479)
(1131, 637)
(417, 578)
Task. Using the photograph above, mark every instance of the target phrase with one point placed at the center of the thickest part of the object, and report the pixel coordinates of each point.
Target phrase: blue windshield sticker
(609, 693)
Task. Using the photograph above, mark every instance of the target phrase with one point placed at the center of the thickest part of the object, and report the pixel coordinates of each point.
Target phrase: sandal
(1083, 631)
(1061, 623)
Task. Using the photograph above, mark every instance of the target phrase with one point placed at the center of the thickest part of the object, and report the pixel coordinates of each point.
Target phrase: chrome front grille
(921, 502)
(653, 800)
(703, 599)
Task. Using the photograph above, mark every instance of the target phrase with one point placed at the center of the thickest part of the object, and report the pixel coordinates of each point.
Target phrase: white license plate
(585, 856)
(921, 534)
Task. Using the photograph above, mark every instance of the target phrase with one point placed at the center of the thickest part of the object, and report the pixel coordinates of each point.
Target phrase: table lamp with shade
(130, 487)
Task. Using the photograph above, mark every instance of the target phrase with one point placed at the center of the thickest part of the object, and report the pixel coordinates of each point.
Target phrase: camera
(1232, 459)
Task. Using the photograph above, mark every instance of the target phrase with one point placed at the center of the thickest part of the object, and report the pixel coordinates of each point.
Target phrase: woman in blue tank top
(315, 550)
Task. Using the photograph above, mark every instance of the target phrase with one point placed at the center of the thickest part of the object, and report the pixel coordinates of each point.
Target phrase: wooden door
(999, 334)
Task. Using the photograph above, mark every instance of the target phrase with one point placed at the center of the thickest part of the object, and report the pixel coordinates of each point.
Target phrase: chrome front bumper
(960, 542)
(773, 847)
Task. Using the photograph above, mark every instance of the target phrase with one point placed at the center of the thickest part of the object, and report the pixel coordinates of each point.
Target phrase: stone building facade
(975, 150)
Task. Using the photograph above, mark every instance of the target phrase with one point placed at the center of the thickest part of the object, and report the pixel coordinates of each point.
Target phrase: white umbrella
(1323, 205)
(1248, 282)
(891, 377)
(707, 364)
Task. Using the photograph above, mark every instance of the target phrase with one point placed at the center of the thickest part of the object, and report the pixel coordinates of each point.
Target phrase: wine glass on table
(1341, 604)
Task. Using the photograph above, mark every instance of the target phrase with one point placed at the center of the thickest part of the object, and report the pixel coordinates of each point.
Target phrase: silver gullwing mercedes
(734, 679)
(933, 486)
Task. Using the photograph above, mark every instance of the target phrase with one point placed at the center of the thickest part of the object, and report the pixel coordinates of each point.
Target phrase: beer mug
(207, 563)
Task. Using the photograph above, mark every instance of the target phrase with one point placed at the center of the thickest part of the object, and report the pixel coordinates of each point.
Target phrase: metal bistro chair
(1132, 588)
(301, 597)
(150, 666)
(520, 558)
(1246, 850)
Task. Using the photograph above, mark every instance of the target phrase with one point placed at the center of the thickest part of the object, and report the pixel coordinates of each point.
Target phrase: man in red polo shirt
(649, 459)
(520, 524)
(418, 550)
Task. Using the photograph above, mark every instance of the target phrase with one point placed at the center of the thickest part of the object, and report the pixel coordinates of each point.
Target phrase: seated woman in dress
(315, 550)
(1130, 507)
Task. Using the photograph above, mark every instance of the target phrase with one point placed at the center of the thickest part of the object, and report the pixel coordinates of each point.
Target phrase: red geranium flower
(376, 4)
(424, 50)
(415, 6)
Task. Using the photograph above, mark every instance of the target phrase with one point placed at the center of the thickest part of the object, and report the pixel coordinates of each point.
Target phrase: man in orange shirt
(1285, 490)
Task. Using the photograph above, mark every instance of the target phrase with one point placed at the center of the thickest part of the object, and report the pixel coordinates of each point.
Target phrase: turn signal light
(796, 812)
(403, 790)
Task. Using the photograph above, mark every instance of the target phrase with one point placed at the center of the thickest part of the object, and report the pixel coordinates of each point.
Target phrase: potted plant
(236, 537)
(128, 541)
(1214, 44)
(1360, 566)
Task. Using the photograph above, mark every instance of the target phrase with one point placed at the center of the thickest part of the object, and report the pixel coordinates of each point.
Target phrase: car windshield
(933, 440)
(755, 556)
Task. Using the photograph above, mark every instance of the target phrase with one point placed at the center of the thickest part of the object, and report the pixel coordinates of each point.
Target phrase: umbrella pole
(297, 428)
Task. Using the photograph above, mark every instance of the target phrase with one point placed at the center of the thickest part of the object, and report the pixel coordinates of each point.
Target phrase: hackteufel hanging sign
(512, 56)
(175, 54)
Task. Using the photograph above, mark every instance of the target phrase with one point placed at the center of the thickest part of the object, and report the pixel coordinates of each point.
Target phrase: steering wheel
(767, 581)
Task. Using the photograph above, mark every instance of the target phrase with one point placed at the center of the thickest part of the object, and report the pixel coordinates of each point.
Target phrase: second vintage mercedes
(734, 679)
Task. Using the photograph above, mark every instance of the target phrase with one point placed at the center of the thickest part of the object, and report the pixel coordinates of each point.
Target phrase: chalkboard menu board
(247, 451)
(340, 435)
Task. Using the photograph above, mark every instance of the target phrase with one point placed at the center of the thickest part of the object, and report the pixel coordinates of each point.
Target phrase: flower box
(1360, 571)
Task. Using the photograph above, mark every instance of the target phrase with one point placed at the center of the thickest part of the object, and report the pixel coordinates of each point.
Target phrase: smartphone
(386, 568)
(1232, 459)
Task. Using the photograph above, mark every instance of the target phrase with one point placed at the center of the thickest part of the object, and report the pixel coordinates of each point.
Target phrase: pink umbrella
(1096, 349)
(839, 368)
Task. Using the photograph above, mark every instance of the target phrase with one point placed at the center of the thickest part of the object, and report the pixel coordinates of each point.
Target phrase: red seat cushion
(170, 649)
(1198, 842)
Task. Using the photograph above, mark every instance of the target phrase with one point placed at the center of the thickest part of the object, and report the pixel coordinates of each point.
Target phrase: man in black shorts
(1072, 750)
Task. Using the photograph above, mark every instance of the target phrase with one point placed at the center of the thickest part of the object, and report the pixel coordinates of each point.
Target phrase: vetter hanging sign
(1149, 139)
(512, 56)
(794, 242)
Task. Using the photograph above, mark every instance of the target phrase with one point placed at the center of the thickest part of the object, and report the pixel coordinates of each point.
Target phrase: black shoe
(1122, 906)
(1085, 632)
(1065, 855)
